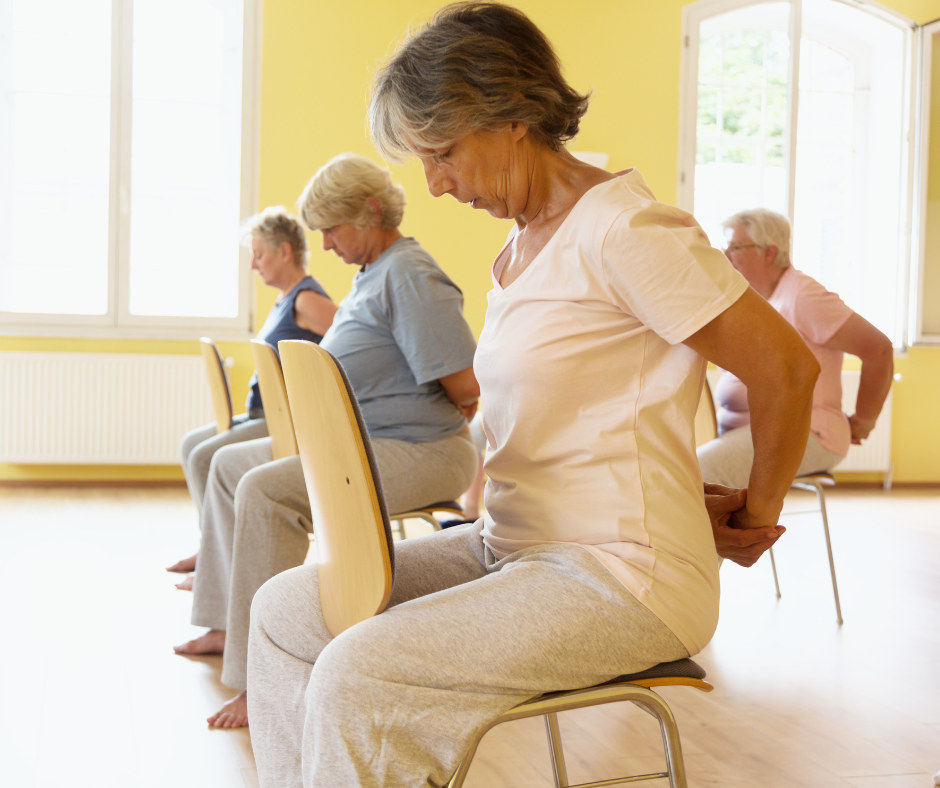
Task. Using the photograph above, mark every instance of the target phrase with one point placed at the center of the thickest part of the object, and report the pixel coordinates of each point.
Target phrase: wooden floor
(92, 695)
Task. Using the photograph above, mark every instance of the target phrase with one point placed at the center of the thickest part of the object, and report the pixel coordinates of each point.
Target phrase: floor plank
(92, 695)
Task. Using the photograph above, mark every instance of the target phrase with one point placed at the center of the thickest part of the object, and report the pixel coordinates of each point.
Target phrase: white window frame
(916, 306)
(692, 17)
(119, 323)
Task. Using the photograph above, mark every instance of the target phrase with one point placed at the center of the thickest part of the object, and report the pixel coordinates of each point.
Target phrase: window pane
(55, 80)
(185, 157)
(849, 214)
(743, 67)
(930, 305)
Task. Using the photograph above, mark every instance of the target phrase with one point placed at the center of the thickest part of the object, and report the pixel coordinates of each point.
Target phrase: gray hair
(765, 228)
(340, 193)
(274, 226)
(474, 67)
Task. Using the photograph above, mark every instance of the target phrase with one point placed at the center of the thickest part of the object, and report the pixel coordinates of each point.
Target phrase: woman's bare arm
(862, 339)
(752, 340)
(463, 390)
(314, 311)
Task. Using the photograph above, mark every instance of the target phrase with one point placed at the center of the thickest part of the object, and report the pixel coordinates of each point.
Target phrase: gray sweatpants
(199, 446)
(256, 522)
(395, 700)
(728, 459)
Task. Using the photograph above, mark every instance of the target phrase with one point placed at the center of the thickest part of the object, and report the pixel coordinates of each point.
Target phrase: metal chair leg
(559, 772)
(773, 565)
(675, 764)
(821, 496)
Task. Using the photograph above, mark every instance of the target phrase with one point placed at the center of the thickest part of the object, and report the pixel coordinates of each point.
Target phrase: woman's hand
(735, 540)
(752, 340)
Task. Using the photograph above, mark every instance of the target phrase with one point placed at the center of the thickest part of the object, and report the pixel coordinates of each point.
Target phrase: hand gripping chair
(281, 429)
(356, 556)
(218, 385)
(706, 429)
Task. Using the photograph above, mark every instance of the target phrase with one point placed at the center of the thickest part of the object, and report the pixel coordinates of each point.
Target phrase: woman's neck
(383, 239)
(291, 280)
(557, 180)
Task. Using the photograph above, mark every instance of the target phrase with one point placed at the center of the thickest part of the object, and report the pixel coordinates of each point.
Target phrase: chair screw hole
(347, 480)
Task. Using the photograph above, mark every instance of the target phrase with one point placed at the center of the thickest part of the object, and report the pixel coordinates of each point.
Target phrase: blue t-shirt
(399, 330)
(281, 324)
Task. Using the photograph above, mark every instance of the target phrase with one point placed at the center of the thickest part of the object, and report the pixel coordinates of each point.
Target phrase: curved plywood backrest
(274, 399)
(353, 538)
(706, 424)
(218, 385)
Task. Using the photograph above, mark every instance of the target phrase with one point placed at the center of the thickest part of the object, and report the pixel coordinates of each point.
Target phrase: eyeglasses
(738, 247)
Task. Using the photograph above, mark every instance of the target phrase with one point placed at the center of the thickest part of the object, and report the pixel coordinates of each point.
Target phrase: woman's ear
(518, 129)
(770, 254)
(286, 250)
(377, 211)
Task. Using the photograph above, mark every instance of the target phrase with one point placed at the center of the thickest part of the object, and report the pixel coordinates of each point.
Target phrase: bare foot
(213, 642)
(185, 566)
(186, 584)
(233, 714)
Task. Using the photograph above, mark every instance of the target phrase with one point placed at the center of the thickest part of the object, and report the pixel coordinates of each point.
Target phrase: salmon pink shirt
(591, 397)
(816, 313)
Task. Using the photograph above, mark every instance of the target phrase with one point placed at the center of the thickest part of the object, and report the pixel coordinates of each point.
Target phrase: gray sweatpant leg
(261, 527)
(214, 572)
(396, 700)
(199, 446)
(728, 459)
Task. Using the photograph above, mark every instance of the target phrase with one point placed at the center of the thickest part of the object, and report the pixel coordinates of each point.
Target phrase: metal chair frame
(638, 693)
(425, 514)
(815, 482)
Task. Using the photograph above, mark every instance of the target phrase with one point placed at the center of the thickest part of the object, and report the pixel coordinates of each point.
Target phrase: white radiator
(875, 452)
(99, 408)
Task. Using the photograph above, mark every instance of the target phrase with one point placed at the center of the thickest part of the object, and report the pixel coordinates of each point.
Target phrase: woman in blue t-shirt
(303, 310)
(402, 339)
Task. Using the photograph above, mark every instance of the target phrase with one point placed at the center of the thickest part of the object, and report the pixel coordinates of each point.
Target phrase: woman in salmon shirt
(595, 557)
(759, 247)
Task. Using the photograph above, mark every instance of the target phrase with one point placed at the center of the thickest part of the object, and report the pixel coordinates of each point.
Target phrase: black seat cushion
(682, 668)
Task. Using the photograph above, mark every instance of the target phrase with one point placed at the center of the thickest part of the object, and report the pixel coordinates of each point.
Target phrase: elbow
(801, 373)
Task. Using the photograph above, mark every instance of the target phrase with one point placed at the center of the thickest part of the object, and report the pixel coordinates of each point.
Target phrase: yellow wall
(317, 61)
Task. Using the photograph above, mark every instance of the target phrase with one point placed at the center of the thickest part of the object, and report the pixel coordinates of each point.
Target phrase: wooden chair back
(218, 385)
(352, 535)
(706, 422)
(274, 397)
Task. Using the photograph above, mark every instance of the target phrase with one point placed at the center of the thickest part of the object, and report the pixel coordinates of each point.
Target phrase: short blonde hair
(274, 226)
(475, 66)
(765, 228)
(340, 192)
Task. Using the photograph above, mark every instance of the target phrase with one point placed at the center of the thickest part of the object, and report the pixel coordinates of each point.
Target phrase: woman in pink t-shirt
(759, 247)
(595, 557)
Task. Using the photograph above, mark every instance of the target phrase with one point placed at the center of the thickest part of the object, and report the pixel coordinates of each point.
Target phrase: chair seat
(444, 506)
(825, 478)
(682, 669)
(682, 672)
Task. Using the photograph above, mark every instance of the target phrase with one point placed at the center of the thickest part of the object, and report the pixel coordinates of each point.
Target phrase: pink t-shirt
(591, 397)
(817, 315)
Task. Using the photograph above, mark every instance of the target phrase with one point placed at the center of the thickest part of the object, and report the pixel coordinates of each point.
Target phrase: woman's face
(485, 169)
(350, 244)
(747, 257)
(271, 263)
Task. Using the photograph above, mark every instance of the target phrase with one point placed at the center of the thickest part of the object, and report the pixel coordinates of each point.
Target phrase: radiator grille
(99, 408)
(875, 452)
